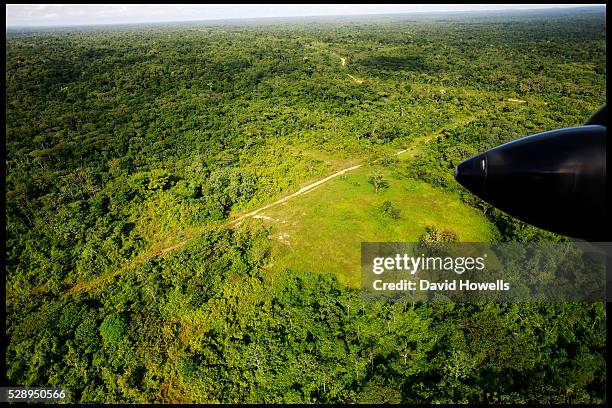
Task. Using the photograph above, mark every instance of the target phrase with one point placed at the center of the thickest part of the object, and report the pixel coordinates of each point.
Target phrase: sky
(27, 15)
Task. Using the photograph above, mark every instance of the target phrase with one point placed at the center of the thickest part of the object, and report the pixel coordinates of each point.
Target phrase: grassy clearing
(322, 230)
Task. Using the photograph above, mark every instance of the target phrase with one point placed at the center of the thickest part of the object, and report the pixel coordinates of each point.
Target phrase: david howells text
(423, 284)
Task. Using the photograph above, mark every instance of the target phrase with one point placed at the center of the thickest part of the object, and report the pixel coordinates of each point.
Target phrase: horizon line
(386, 13)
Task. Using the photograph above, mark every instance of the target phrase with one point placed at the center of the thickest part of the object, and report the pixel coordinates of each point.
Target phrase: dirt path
(354, 79)
(359, 81)
(304, 190)
(297, 193)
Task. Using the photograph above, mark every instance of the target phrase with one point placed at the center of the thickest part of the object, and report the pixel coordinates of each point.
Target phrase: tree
(112, 329)
(378, 182)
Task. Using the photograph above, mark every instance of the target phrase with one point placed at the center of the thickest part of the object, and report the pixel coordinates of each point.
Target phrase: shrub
(388, 210)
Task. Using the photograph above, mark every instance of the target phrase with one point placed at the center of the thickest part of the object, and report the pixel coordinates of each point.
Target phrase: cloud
(51, 16)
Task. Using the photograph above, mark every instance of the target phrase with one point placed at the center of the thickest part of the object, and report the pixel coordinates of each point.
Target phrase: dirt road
(359, 81)
(303, 190)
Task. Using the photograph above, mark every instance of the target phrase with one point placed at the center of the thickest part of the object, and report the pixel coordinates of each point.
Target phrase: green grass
(322, 230)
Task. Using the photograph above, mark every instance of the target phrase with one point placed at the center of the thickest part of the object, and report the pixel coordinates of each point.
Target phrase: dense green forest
(131, 150)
